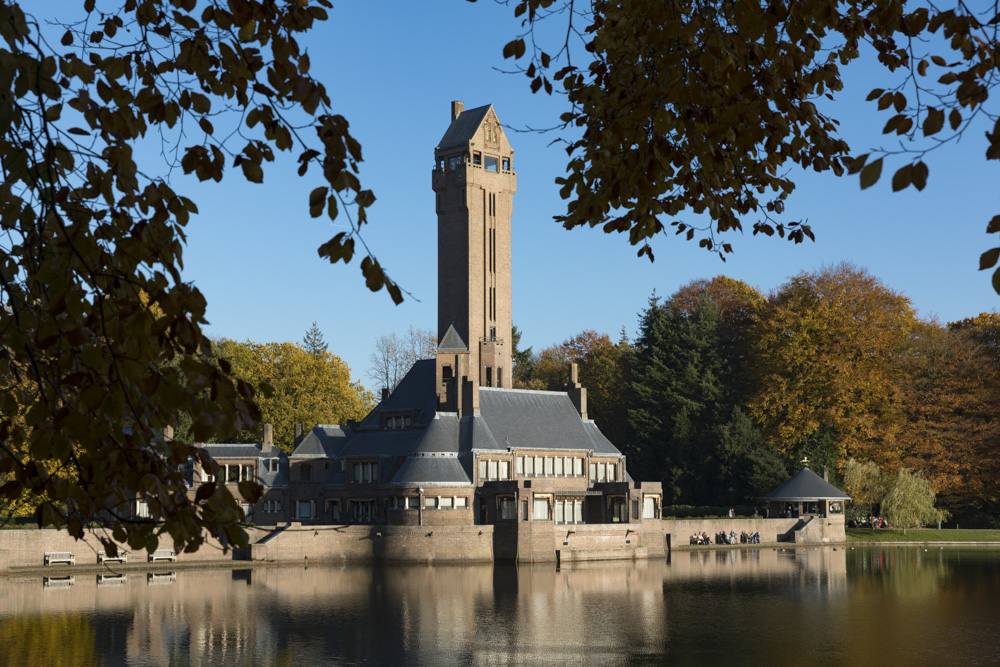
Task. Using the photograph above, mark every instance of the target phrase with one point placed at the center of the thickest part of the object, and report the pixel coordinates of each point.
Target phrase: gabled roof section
(415, 392)
(539, 419)
(807, 485)
(464, 127)
(444, 469)
(451, 341)
(270, 475)
(323, 441)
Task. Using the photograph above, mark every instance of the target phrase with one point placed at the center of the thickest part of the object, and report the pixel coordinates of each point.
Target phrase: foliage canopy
(690, 114)
(101, 346)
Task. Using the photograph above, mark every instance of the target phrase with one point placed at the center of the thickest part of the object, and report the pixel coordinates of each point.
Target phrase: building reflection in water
(708, 603)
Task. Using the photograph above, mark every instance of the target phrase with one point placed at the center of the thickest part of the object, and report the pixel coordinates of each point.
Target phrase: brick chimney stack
(298, 435)
(267, 442)
(577, 393)
(456, 109)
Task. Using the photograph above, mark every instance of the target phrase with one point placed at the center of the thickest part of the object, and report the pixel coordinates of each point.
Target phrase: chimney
(470, 397)
(267, 442)
(577, 393)
(456, 110)
(826, 474)
(385, 393)
(168, 433)
(298, 435)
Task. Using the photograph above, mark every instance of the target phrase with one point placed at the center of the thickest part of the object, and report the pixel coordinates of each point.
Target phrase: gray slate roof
(324, 440)
(546, 419)
(464, 127)
(414, 392)
(450, 469)
(269, 477)
(807, 485)
(452, 341)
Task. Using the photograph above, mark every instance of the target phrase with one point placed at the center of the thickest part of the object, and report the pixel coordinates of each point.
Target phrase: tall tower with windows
(474, 184)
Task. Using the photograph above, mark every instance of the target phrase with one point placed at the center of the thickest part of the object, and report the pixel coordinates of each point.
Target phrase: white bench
(59, 557)
(163, 554)
(103, 557)
(57, 582)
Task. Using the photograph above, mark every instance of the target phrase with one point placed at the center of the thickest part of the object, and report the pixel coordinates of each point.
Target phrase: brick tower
(474, 184)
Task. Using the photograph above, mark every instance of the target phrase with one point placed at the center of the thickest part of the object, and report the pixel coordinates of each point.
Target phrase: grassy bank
(921, 535)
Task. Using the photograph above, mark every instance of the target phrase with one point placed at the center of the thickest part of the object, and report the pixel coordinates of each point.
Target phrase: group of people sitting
(722, 538)
(869, 522)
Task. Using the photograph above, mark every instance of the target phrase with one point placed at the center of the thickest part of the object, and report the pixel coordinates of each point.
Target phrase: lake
(820, 606)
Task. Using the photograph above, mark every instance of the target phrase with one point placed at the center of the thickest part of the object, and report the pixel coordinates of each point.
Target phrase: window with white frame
(559, 466)
(540, 508)
(650, 507)
(505, 470)
(578, 467)
(519, 465)
(365, 472)
(529, 466)
(569, 511)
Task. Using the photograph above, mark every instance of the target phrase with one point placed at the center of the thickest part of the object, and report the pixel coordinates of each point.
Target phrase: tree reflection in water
(825, 605)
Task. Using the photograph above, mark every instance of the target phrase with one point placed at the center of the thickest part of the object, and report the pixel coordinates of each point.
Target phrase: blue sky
(392, 69)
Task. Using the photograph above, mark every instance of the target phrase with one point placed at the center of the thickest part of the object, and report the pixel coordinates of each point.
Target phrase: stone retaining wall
(406, 544)
(27, 548)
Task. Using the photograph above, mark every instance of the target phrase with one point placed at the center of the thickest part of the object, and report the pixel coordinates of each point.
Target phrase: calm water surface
(884, 606)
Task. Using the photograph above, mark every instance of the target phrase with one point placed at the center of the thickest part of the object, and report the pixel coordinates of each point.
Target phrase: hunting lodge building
(453, 444)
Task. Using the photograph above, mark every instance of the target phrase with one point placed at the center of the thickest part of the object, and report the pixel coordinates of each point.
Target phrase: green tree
(691, 114)
(301, 387)
(93, 306)
(910, 501)
(522, 359)
(678, 396)
(744, 467)
(867, 485)
(313, 341)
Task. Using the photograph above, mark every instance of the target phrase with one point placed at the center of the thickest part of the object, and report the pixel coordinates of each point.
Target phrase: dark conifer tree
(313, 341)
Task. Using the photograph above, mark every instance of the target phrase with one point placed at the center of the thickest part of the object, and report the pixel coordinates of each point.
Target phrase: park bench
(160, 578)
(57, 582)
(102, 557)
(59, 557)
(111, 580)
(163, 554)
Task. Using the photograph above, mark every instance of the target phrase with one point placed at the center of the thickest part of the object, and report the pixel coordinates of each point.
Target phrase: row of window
(364, 473)
(549, 466)
(271, 506)
(232, 473)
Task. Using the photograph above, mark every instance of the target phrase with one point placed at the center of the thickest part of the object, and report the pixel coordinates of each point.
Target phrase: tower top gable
(479, 128)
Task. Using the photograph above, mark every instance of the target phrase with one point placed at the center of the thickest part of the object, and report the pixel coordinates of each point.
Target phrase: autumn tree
(826, 348)
(951, 434)
(99, 331)
(693, 116)
(301, 387)
(394, 355)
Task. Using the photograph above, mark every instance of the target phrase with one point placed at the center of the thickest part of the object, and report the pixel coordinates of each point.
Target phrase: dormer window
(396, 421)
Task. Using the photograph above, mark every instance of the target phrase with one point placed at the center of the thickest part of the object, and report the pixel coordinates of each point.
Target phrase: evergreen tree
(746, 467)
(313, 341)
(523, 360)
(678, 391)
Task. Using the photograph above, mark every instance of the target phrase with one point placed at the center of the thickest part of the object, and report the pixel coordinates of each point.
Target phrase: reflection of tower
(474, 184)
